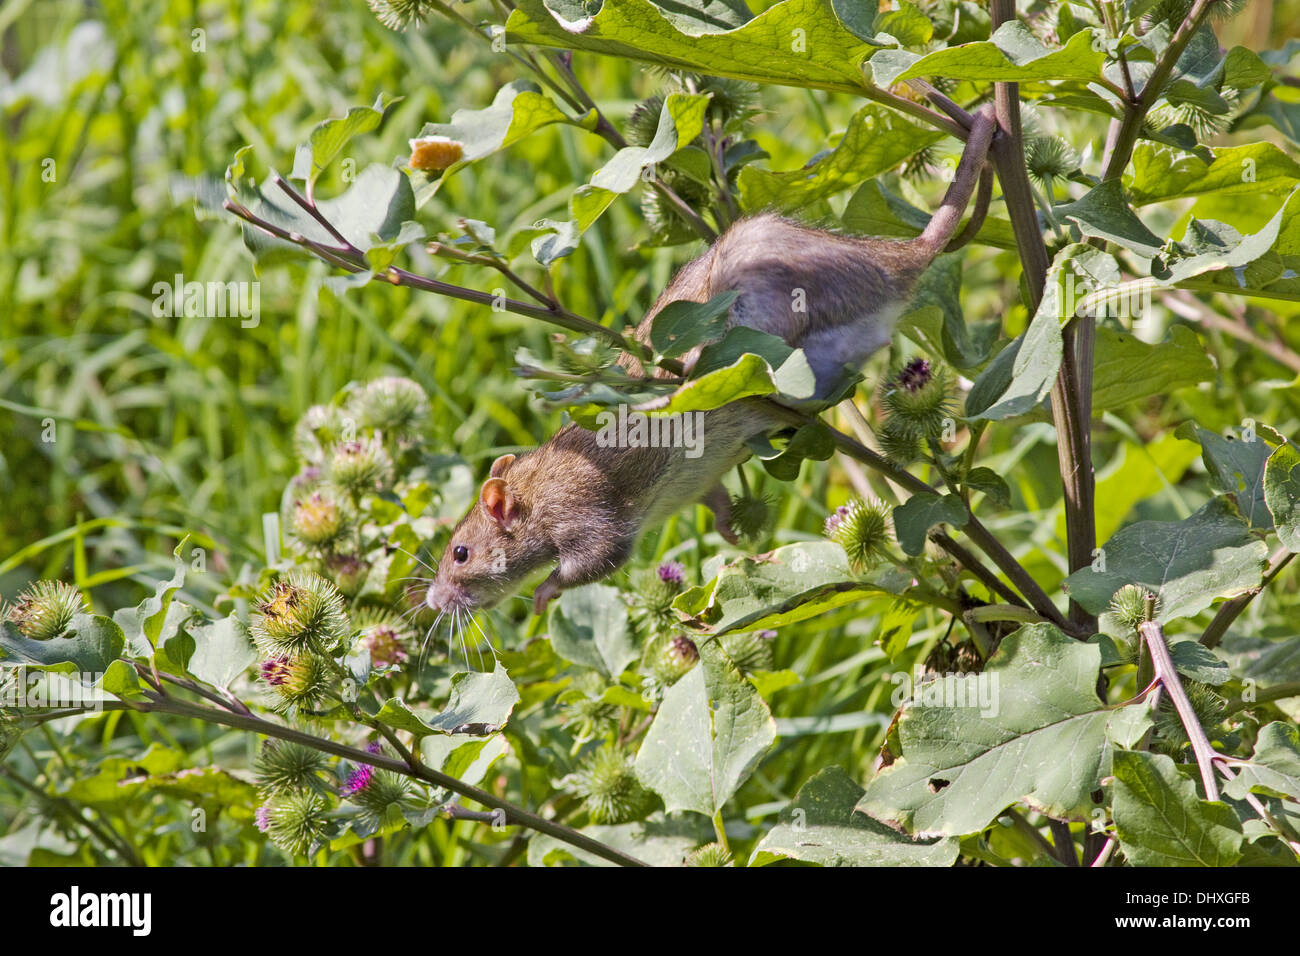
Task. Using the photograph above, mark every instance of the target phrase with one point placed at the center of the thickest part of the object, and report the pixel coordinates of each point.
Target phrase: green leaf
(1274, 770)
(122, 681)
(222, 651)
(822, 826)
(328, 138)
(750, 375)
(467, 760)
(1282, 493)
(1236, 467)
(709, 735)
(1187, 564)
(1012, 54)
(681, 326)
(680, 121)
(1128, 369)
(94, 643)
(921, 512)
(791, 584)
(1160, 173)
(1196, 662)
(877, 140)
(1104, 213)
(589, 626)
(518, 110)
(1160, 821)
(991, 484)
(143, 624)
(1029, 729)
(477, 701)
(795, 43)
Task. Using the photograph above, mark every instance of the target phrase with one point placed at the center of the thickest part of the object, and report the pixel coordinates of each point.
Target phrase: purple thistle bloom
(672, 572)
(915, 375)
(837, 518)
(358, 779)
(275, 671)
(264, 818)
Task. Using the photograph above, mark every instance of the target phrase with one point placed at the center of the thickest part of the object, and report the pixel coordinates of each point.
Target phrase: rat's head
(492, 550)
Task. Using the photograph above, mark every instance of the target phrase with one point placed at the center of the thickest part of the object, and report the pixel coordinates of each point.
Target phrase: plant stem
(513, 814)
(1071, 404)
(1229, 610)
(64, 807)
(1135, 111)
(1167, 674)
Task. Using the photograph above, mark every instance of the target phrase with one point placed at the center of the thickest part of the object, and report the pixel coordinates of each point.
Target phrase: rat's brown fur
(584, 506)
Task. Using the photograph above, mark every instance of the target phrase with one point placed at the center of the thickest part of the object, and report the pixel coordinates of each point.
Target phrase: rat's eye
(460, 553)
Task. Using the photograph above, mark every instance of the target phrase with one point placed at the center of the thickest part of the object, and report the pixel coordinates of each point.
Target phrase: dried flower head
(45, 609)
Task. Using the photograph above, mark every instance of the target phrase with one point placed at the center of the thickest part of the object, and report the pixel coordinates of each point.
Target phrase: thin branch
(1167, 674)
(1135, 113)
(1229, 610)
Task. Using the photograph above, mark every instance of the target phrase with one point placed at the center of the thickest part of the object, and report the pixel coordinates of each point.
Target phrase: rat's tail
(939, 234)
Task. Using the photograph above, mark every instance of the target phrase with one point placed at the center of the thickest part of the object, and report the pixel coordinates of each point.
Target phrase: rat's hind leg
(718, 500)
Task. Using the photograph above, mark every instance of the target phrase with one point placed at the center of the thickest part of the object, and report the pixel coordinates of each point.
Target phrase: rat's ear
(500, 465)
(499, 502)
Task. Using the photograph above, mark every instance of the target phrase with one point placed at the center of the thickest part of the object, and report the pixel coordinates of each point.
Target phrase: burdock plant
(302, 611)
(45, 609)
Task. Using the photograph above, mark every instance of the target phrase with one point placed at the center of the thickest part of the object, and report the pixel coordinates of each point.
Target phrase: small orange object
(435, 152)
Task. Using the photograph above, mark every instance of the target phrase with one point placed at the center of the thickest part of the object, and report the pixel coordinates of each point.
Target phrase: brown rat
(580, 506)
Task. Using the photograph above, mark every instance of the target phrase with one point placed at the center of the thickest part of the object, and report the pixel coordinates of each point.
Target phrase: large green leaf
(328, 138)
(1274, 770)
(877, 140)
(478, 703)
(143, 624)
(1281, 486)
(1188, 564)
(93, 644)
(1159, 173)
(1104, 213)
(790, 584)
(823, 826)
(795, 43)
(709, 735)
(1236, 466)
(589, 626)
(659, 841)
(1012, 54)
(1127, 369)
(1029, 729)
(1160, 821)
(921, 512)
(222, 651)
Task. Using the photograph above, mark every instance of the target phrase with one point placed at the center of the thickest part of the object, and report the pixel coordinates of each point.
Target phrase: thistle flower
(360, 466)
(610, 790)
(918, 399)
(375, 790)
(750, 516)
(400, 14)
(319, 428)
(586, 711)
(318, 518)
(398, 407)
(45, 609)
(301, 611)
(295, 822)
(667, 659)
(1129, 605)
(711, 854)
(672, 572)
(749, 651)
(862, 530)
(385, 644)
(1049, 158)
(348, 572)
(304, 681)
(263, 818)
(283, 766)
